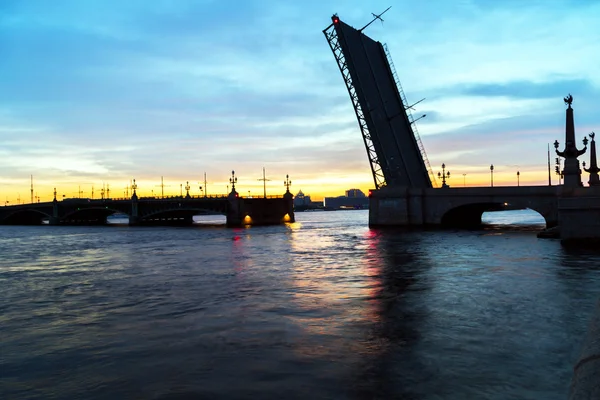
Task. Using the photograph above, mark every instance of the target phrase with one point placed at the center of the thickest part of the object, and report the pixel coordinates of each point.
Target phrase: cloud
(108, 90)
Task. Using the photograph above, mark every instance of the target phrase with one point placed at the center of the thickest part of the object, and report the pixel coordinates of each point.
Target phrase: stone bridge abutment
(458, 207)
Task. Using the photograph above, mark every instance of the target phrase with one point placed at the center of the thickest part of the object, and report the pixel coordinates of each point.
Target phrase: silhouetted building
(354, 193)
(303, 202)
(354, 199)
(301, 199)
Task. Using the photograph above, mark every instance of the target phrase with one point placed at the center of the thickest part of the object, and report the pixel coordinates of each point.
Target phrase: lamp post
(187, 189)
(464, 180)
(134, 188)
(518, 178)
(287, 183)
(233, 181)
(444, 175)
(492, 174)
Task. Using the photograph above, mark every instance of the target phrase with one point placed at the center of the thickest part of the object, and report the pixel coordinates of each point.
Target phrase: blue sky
(106, 91)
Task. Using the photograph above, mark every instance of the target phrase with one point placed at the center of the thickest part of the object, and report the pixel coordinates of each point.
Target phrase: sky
(97, 93)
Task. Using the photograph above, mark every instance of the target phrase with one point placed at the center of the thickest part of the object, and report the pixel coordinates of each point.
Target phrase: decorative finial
(592, 135)
(569, 100)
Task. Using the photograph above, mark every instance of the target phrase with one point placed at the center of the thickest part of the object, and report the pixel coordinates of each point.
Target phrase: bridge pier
(259, 211)
(579, 216)
(134, 218)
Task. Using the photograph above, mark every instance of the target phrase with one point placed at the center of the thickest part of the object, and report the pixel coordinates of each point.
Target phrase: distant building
(303, 202)
(354, 199)
(355, 193)
(301, 199)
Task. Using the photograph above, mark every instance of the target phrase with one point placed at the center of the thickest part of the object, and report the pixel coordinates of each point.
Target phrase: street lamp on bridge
(134, 187)
(444, 175)
(465, 180)
(233, 181)
(492, 174)
(518, 178)
(287, 183)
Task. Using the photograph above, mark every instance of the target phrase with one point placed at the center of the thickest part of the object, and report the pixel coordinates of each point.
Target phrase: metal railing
(410, 117)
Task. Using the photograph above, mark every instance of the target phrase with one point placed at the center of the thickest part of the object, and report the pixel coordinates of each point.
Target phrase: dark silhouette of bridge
(404, 192)
(172, 211)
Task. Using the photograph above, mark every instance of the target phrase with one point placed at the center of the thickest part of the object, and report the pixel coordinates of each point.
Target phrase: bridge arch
(180, 215)
(469, 215)
(25, 216)
(90, 215)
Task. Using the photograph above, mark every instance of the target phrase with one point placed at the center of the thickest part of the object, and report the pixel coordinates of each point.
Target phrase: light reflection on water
(322, 308)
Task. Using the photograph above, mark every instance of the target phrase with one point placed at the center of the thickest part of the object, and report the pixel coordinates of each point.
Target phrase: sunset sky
(95, 92)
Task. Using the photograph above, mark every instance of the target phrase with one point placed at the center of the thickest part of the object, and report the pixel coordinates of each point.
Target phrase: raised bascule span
(394, 148)
(406, 193)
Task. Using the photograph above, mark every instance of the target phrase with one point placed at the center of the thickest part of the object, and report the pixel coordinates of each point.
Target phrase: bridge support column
(390, 207)
(54, 220)
(289, 207)
(134, 218)
(579, 218)
(260, 211)
(234, 210)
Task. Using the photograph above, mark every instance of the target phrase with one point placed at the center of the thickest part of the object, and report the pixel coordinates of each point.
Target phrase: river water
(324, 308)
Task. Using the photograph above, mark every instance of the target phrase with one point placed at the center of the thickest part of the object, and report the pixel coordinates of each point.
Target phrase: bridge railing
(410, 117)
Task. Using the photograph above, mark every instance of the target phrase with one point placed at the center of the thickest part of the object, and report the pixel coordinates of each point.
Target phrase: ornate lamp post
(593, 169)
(233, 181)
(134, 187)
(492, 175)
(187, 189)
(54, 194)
(444, 175)
(287, 183)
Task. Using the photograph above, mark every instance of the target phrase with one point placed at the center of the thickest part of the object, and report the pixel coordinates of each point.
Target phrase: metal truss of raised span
(410, 117)
(334, 43)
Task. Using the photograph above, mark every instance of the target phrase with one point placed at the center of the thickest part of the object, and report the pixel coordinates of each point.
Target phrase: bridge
(172, 211)
(406, 192)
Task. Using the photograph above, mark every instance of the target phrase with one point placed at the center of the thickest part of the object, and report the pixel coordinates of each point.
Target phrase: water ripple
(322, 308)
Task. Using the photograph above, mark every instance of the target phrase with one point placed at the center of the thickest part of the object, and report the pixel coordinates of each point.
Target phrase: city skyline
(112, 91)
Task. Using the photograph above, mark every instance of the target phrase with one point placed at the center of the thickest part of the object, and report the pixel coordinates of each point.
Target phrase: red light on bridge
(336, 20)
(370, 192)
